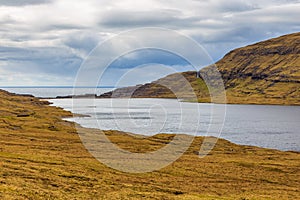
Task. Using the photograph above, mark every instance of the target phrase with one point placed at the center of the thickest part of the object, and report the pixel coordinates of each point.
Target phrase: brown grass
(42, 157)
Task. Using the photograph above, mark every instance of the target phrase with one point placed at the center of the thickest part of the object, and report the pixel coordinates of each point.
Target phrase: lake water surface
(267, 126)
(52, 92)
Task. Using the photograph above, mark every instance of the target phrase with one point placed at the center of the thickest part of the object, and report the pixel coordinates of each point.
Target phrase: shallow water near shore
(268, 126)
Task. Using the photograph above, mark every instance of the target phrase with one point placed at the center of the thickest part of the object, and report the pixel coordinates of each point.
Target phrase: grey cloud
(23, 2)
(257, 24)
(56, 61)
(235, 5)
(6, 20)
(262, 24)
(63, 26)
(82, 41)
(127, 19)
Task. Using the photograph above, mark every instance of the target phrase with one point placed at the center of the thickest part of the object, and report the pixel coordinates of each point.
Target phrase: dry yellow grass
(42, 157)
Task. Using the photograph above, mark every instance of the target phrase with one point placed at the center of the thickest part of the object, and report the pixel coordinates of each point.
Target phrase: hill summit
(267, 72)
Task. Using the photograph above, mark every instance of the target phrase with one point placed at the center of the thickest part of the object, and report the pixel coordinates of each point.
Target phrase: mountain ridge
(266, 72)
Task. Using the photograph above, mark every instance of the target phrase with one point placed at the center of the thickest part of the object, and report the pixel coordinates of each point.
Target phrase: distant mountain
(267, 72)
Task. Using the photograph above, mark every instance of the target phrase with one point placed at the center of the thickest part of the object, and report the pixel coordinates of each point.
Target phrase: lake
(267, 126)
(52, 92)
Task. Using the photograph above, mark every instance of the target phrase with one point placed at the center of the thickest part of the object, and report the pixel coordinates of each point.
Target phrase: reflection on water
(260, 125)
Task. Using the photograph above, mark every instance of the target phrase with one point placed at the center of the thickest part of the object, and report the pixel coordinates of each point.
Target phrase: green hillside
(264, 73)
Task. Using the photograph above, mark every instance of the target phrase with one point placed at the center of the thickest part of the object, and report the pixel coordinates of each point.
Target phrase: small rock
(25, 114)
(53, 128)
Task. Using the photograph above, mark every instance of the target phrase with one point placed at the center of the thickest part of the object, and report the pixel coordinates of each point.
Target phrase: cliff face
(264, 73)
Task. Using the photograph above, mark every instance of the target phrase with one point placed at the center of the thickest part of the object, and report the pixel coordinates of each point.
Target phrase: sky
(45, 42)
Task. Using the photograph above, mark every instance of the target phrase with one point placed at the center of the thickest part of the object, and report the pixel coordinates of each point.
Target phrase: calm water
(266, 126)
(49, 92)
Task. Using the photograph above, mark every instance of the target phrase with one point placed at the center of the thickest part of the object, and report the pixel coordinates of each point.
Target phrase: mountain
(267, 72)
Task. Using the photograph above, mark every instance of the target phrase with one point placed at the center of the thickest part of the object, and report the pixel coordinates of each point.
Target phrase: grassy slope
(264, 73)
(42, 157)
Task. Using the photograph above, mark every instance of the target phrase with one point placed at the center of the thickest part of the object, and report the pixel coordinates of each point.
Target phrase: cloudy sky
(44, 42)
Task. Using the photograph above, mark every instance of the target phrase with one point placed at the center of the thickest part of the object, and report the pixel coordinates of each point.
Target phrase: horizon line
(56, 86)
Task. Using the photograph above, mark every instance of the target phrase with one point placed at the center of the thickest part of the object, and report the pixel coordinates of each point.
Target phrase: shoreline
(276, 146)
(83, 96)
(74, 115)
(250, 104)
(43, 156)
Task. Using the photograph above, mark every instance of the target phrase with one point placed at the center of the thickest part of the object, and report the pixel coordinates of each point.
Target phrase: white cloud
(57, 32)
